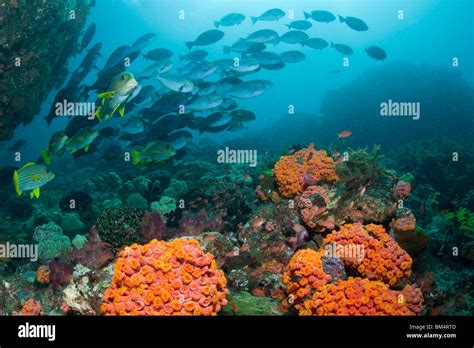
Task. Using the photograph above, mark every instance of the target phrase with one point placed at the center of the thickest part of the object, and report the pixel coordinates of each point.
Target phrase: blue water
(431, 33)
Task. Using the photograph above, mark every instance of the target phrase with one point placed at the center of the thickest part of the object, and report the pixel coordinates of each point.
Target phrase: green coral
(137, 201)
(51, 241)
(119, 226)
(72, 224)
(407, 177)
(176, 189)
(79, 241)
(243, 303)
(465, 219)
(165, 206)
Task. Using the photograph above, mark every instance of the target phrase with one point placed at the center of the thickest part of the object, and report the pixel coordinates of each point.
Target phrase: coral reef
(165, 278)
(119, 226)
(379, 258)
(43, 54)
(357, 296)
(31, 307)
(164, 206)
(305, 168)
(51, 241)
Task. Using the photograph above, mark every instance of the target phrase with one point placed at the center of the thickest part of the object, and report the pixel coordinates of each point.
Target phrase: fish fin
(306, 15)
(254, 19)
(29, 164)
(46, 157)
(190, 45)
(121, 110)
(135, 157)
(341, 19)
(106, 95)
(16, 182)
(86, 148)
(217, 24)
(35, 193)
(97, 114)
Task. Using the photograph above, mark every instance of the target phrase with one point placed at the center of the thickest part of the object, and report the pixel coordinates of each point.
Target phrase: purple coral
(152, 227)
(95, 253)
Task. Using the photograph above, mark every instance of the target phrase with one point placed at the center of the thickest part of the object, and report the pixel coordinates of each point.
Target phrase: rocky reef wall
(36, 40)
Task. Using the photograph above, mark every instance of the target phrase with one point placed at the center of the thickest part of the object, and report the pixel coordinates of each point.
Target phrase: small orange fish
(246, 176)
(344, 134)
(339, 161)
(257, 223)
(336, 154)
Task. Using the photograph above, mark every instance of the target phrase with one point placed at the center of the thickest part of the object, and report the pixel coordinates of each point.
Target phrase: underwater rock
(137, 201)
(219, 245)
(43, 54)
(82, 295)
(165, 205)
(72, 224)
(51, 241)
(193, 224)
(94, 253)
(60, 273)
(119, 226)
(152, 227)
(237, 280)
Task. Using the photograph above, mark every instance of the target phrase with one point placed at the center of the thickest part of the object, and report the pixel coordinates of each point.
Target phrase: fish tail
(341, 19)
(254, 19)
(306, 15)
(190, 45)
(135, 156)
(16, 182)
(46, 157)
(217, 24)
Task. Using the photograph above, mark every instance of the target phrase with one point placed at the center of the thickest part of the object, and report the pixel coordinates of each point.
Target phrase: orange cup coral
(357, 296)
(304, 275)
(42, 275)
(383, 259)
(165, 278)
(304, 168)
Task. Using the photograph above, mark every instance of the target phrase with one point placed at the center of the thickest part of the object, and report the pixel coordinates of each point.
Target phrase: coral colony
(191, 173)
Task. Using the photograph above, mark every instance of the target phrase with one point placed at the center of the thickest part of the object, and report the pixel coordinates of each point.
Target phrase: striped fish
(30, 178)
